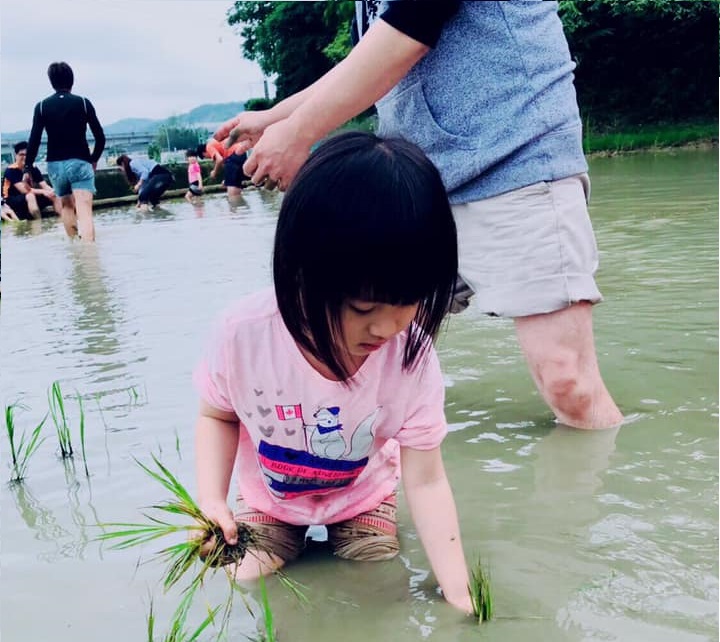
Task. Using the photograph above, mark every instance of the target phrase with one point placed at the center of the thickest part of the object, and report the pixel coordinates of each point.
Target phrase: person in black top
(71, 167)
(27, 199)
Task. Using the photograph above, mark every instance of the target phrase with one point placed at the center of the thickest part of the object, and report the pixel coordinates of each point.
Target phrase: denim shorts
(68, 175)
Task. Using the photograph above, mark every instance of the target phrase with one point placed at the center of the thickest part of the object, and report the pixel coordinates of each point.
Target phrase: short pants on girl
(368, 537)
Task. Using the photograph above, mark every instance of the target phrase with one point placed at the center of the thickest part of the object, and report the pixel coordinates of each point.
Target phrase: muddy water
(602, 536)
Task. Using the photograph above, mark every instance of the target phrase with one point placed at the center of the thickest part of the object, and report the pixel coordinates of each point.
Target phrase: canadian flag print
(286, 413)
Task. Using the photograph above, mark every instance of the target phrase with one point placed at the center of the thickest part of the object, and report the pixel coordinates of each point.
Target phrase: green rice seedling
(480, 593)
(102, 416)
(82, 432)
(202, 549)
(177, 631)
(59, 417)
(268, 634)
(25, 447)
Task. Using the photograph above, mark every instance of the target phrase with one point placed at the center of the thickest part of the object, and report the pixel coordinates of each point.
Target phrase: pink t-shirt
(193, 172)
(312, 450)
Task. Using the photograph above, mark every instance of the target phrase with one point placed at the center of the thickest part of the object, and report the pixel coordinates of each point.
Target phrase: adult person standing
(486, 90)
(71, 167)
(147, 178)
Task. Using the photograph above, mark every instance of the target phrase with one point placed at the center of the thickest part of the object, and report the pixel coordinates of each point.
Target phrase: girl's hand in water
(462, 602)
(219, 512)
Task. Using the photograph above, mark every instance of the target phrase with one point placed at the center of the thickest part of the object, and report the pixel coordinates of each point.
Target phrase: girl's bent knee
(371, 548)
(369, 537)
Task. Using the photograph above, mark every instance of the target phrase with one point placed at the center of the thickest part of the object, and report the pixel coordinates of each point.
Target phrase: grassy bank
(613, 140)
(648, 137)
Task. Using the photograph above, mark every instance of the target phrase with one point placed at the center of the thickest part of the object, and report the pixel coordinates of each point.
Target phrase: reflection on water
(609, 535)
(68, 540)
(96, 317)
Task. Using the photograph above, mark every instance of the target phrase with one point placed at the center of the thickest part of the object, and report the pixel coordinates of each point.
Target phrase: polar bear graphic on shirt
(327, 439)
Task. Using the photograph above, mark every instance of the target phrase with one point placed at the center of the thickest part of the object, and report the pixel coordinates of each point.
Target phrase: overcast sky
(131, 58)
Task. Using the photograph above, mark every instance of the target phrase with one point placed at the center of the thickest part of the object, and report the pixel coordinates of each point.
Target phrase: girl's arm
(216, 442)
(432, 508)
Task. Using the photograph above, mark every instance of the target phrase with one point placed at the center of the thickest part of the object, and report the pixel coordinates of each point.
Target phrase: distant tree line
(644, 61)
(638, 61)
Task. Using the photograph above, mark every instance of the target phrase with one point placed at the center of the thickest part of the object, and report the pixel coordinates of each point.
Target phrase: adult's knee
(565, 388)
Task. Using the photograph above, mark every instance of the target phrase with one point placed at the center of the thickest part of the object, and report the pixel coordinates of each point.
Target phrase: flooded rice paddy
(587, 536)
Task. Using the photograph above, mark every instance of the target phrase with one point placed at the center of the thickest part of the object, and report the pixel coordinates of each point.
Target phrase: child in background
(323, 389)
(231, 162)
(195, 186)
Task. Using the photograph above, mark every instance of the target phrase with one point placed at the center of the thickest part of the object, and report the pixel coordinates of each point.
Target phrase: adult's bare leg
(69, 218)
(83, 210)
(57, 205)
(32, 205)
(560, 353)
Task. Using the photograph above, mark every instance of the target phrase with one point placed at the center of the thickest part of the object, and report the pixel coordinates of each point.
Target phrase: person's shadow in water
(98, 331)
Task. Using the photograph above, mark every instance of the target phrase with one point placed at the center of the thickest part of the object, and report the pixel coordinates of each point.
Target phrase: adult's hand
(245, 128)
(277, 155)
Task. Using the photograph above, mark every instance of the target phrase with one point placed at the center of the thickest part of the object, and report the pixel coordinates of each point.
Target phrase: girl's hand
(218, 511)
(462, 602)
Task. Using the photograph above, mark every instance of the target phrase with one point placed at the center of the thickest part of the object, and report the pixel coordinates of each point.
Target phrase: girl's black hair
(123, 162)
(365, 218)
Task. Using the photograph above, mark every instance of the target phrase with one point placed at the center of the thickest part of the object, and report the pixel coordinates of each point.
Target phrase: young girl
(323, 389)
(195, 186)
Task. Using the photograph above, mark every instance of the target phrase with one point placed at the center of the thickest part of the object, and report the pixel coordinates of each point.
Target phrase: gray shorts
(531, 250)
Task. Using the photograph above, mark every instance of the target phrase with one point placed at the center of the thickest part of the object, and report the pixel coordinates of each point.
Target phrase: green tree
(340, 15)
(154, 151)
(258, 104)
(297, 41)
(644, 61)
